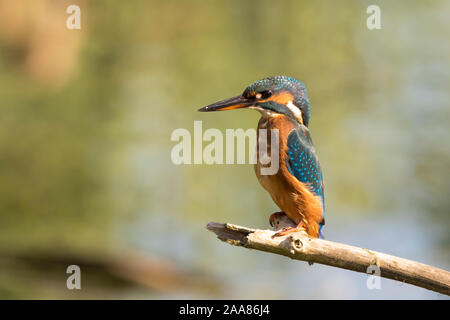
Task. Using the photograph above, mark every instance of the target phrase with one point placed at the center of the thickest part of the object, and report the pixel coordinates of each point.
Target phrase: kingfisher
(297, 186)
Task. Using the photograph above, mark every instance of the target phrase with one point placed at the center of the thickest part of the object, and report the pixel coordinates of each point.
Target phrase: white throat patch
(265, 113)
(294, 109)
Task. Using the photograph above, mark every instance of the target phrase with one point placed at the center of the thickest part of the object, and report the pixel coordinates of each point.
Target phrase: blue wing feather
(303, 163)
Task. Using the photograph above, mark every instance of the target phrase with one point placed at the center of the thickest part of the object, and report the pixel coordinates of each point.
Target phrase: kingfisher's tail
(320, 232)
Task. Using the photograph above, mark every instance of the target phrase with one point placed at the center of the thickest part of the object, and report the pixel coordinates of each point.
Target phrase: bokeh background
(86, 118)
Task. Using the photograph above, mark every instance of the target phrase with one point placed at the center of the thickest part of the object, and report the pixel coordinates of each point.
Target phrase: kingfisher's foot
(288, 230)
(275, 218)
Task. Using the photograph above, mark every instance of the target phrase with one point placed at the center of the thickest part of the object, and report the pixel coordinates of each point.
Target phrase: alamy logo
(74, 280)
(74, 20)
(374, 279)
(213, 152)
(374, 19)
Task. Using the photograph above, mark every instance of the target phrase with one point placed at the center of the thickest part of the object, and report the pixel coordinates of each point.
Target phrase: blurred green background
(86, 118)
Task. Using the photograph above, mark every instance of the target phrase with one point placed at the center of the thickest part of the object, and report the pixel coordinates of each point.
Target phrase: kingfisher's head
(271, 96)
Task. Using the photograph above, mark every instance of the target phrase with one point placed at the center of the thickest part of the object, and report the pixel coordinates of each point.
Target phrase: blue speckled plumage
(302, 160)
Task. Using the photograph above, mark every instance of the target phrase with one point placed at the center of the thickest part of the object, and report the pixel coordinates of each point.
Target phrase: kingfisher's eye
(266, 94)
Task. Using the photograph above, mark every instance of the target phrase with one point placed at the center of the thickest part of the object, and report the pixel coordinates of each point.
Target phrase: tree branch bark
(301, 247)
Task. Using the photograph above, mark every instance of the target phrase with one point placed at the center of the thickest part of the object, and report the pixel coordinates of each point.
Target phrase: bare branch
(301, 247)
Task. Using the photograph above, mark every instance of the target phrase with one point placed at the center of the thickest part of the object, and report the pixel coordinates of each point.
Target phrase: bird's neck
(272, 120)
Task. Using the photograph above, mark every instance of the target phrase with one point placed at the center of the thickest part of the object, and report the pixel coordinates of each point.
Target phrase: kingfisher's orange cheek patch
(282, 98)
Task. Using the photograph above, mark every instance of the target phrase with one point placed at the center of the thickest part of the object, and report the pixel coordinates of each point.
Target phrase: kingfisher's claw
(288, 230)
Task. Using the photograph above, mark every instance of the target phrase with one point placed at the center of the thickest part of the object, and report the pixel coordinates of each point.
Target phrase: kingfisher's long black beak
(229, 104)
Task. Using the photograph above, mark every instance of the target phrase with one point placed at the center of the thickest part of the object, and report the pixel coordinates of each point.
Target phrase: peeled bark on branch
(301, 247)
